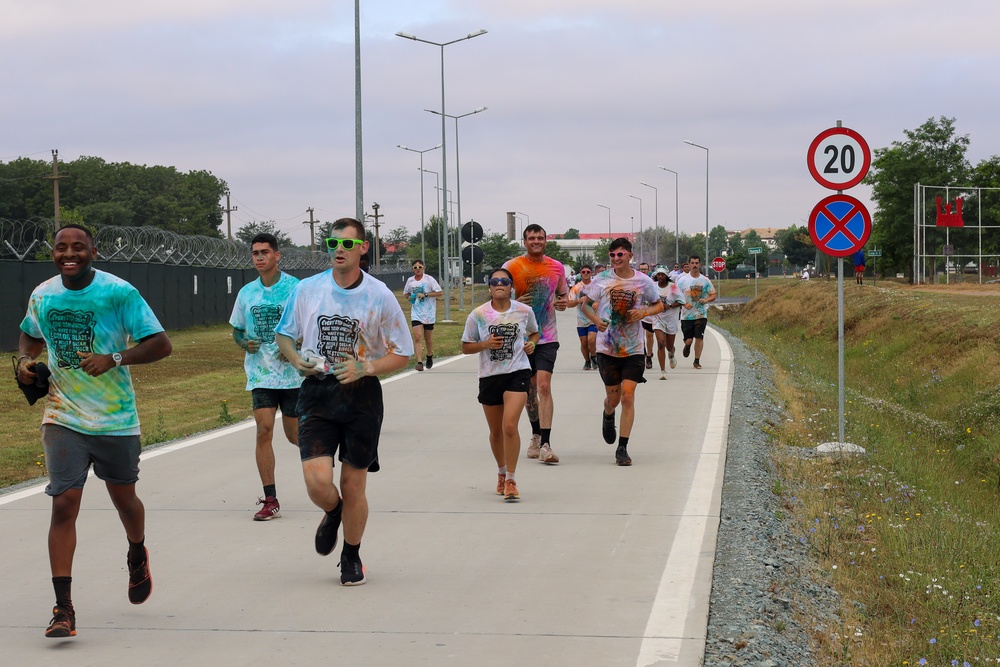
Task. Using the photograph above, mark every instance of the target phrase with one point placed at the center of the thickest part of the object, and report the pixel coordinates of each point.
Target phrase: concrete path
(596, 565)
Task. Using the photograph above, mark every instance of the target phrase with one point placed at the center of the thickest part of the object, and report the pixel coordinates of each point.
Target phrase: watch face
(117, 356)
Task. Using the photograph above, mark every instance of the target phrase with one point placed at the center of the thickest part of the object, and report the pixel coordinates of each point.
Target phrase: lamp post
(527, 221)
(423, 240)
(641, 256)
(609, 219)
(656, 219)
(437, 193)
(458, 195)
(446, 205)
(691, 143)
(677, 217)
(444, 144)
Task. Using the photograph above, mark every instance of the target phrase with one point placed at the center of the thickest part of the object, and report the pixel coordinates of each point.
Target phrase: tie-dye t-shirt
(542, 280)
(99, 318)
(667, 320)
(613, 297)
(574, 294)
(422, 310)
(695, 289)
(364, 323)
(257, 311)
(515, 325)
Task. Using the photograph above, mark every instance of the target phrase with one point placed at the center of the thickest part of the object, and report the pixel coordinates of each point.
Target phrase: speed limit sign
(839, 158)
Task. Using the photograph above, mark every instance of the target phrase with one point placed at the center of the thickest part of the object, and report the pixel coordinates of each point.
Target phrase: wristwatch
(117, 356)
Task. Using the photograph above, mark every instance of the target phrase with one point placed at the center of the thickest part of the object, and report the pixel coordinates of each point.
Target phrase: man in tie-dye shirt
(540, 282)
(616, 301)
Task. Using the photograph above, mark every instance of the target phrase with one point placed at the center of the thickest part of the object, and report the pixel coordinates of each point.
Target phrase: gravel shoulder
(768, 599)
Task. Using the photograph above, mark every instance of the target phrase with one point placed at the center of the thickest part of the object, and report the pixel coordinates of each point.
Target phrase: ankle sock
(351, 552)
(136, 552)
(622, 442)
(62, 586)
(536, 428)
(546, 432)
(335, 512)
(269, 491)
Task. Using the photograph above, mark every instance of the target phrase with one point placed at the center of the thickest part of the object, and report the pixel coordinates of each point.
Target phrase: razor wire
(31, 240)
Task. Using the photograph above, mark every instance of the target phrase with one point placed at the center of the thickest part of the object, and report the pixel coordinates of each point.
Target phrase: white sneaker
(673, 362)
(534, 448)
(663, 375)
(546, 455)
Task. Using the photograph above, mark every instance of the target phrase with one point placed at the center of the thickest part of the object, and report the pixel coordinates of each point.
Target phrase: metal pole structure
(656, 218)
(444, 151)
(840, 346)
(359, 195)
(437, 194)
(423, 231)
(642, 257)
(691, 143)
(609, 221)
(458, 194)
(677, 217)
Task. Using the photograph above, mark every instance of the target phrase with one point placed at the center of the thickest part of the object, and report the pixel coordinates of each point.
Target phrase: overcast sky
(585, 99)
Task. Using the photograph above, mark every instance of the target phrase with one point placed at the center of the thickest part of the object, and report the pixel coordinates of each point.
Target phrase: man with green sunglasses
(350, 323)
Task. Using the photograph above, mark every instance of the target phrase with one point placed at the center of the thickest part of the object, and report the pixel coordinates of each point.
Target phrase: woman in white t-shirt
(504, 332)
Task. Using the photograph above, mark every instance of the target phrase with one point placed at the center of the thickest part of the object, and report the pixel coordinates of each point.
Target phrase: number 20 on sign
(839, 158)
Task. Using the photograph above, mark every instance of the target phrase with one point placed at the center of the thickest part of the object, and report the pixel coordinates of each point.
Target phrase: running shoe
(696, 364)
(140, 582)
(326, 533)
(510, 491)
(593, 363)
(649, 361)
(270, 510)
(663, 375)
(687, 350)
(352, 572)
(622, 458)
(586, 365)
(501, 478)
(63, 623)
(608, 429)
(420, 365)
(534, 447)
(673, 361)
(546, 455)
(430, 362)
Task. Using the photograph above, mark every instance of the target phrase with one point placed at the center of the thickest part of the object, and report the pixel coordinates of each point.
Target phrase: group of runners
(314, 349)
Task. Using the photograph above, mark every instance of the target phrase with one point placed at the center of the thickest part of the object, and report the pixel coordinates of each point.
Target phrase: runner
(698, 293)
(585, 329)
(423, 291)
(665, 324)
(352, 331)
(504, 333)
(85, 318)
(619, 296)
(540, 282)
(271, 381)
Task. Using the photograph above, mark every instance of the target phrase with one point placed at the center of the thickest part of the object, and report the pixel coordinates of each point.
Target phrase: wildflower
(976, 622)
(933, 641)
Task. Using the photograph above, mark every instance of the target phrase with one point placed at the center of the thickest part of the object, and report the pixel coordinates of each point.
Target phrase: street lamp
(609, 219)
(444, 144)
(520, 232)
(423, 241)
(656, 219)
(677, 217)
(458, 195)
(641, 257)
(691, 143)
(437, 194)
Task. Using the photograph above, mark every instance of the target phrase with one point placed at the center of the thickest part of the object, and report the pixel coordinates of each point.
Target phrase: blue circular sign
(840, 225)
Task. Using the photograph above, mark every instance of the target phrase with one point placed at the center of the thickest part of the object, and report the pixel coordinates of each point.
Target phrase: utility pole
(312, 229)
(229, 218)
(378, 244)
(55, 183)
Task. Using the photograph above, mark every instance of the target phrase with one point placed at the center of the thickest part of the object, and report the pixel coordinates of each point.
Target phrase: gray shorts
(69, 454)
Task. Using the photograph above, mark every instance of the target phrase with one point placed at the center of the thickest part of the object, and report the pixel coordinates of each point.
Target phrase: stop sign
(719, 264)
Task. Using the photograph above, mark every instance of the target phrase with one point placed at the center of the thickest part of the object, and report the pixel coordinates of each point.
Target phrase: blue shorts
(69, 454)
(583, 331)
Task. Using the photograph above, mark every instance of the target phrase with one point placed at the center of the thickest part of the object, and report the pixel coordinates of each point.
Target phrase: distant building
(767, 235)
(587, 243)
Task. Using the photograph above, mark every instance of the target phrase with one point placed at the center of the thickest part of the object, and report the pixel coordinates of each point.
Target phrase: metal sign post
(754, 252)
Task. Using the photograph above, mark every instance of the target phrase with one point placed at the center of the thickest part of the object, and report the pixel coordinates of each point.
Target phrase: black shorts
(615, 369)
(648, 326)
(544, 358)
(492, 387)
(336, 416)
(427, 327)
(285, 399)
(694, 328)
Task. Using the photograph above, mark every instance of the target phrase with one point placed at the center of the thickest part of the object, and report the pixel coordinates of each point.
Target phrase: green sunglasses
(331, 244)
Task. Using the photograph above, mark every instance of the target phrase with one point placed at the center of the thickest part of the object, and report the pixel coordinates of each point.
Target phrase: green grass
(907, 533)
(198, 388)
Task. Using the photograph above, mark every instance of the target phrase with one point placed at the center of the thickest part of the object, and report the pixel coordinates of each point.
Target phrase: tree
(796, 244)
(557, 252)
(931, 154)
(252, 229)
(718, 240)
(571, 233)
(497, 250)
(396, 243)
(425, 242)
(601, 251)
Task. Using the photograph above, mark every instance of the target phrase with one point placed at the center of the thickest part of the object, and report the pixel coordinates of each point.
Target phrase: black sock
(546, 432)
(269, 491)
(622, 442)
(607, 417)
(335, 512)
(697, 360)
(536, 428)
(136, 552)
(62, 586)
(351, 551)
